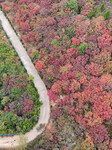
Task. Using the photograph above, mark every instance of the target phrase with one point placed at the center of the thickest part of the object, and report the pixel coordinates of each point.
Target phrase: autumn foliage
(74, 60)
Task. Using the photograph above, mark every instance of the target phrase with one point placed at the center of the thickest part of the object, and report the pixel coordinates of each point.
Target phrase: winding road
(12, 142)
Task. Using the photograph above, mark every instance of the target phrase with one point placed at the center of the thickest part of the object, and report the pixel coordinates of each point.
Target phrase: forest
(19, 99)
(70, 44)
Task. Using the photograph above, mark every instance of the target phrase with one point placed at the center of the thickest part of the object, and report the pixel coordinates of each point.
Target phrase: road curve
(12, 142)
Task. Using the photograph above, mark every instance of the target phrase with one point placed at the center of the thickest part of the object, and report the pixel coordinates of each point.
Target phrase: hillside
(70, 44)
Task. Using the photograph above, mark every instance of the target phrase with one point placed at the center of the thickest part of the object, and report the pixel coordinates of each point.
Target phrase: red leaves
(39, 65)
(105, 40)
(79, 119)
(61, 123)
(96, 69)
(83, 79)
(65, 101)
(98, 134)
(76, 82)
(56, 88)
(81, 29)
(102, 58)
(28, 106)
(103, 108)
(74, 86)
(87, 9)
(20, 106)
(34, 10)
(5, 7)
(45, 4)
(56, 112)
(73, 52)
(75, 41)
(91, 119)
(31, 36)
(6, 108)
(38, 1)
(72, 111)
(51, 21)
(25, 26)
(52, 96)
(106, 78)
(110, 145)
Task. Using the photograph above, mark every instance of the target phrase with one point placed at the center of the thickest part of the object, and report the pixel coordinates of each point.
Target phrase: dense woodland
(19, 100)
(70, 44)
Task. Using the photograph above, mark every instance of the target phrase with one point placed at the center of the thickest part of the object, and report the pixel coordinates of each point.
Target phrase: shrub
(107, 14)
(74, 58)
(70, 32)
(87, 144)
(75, 41)
(102, 7)
(8, 121)
(73, 5)
(15, 92)
(0, 6)
(25, 125)
(39, 65)
(54, 42)
(5, 100)
(82, 48)
(18, 96)
(35, 54)
(98, 134)
(105, 40)
(93, 12)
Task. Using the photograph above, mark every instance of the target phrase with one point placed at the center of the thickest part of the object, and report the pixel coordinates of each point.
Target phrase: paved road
(11, 142)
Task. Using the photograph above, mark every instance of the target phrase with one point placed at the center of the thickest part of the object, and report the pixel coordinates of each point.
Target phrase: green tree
(5, 100)
(54, 42)
(107, 14)
(73, 5)
(15, 92)
(8, 122)
(82, 48)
